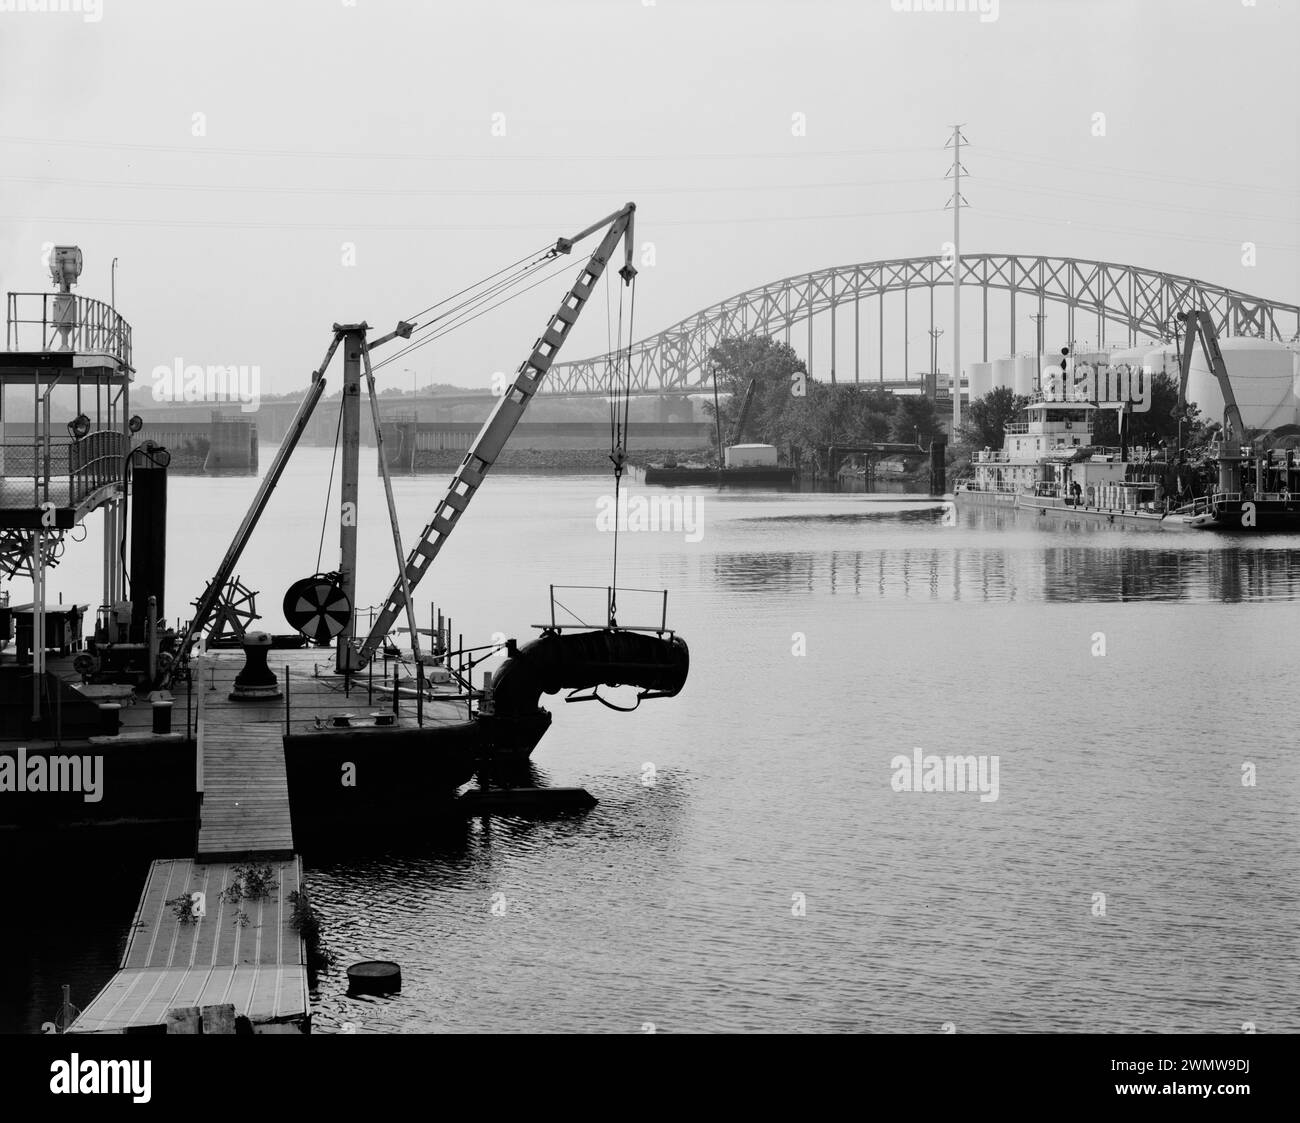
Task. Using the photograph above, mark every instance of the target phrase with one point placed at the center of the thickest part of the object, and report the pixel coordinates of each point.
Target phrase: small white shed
(750, 456)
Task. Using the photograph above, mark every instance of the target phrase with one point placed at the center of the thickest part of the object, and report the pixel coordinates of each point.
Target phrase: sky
(262, 170)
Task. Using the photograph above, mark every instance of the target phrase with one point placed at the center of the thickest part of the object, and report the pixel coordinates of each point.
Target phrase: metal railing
(1199, 506)
(59, 471)
(612, 600)
(55, 321)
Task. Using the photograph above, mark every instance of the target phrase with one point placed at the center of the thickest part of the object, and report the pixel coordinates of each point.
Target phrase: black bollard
(110, 714)
(162, 717)
(256, 682)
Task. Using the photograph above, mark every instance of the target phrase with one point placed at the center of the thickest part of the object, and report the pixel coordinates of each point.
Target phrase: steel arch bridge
(1135, 303)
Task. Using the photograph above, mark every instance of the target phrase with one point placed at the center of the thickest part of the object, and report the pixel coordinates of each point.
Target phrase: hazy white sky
(326, 122)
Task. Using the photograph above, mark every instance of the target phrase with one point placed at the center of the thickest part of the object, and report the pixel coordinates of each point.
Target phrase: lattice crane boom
(505, 416)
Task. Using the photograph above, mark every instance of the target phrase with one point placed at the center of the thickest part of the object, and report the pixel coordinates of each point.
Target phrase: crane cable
(325, 516)
(446, 319)
(476, 284)
(474, 306)
(619, 409)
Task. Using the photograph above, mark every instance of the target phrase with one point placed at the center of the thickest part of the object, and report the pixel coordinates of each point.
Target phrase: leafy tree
(989, 416)
(819, 416)
(773, 366)
(1159, 423)
(916, 420)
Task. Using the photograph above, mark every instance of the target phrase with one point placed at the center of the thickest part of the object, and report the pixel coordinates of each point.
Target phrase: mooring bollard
(110, 716)
(162, 717)
(256, 681)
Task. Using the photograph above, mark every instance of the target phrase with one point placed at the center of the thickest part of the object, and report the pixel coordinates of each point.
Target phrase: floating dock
(248, 953)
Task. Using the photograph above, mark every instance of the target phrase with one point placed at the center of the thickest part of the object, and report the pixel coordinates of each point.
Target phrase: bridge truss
(1134, 304)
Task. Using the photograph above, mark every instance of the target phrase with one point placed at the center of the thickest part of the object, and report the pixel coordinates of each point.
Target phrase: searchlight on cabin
(65, 266)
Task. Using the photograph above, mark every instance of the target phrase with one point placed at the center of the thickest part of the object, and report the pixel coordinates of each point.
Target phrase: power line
(438, 192)
(1147, 233)
(1065, 192)
(443, 157)
(1097, 171)
(344, 227)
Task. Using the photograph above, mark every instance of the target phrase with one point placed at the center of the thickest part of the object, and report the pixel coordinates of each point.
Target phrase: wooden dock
(247, 953)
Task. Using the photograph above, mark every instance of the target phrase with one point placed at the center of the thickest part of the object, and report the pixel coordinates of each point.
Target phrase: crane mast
(505, 416)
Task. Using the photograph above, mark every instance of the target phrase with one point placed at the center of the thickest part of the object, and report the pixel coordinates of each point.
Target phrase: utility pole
(934, 334)
(956, 202)
(1038, 319)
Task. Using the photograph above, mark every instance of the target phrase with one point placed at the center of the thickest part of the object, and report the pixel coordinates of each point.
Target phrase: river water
(751, 865)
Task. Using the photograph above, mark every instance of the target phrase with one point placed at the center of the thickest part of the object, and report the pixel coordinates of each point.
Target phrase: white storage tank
(1026, 378)
(749, 456)
(1263, 377)
(1004, 373)
(1162, 360)
(979, 377)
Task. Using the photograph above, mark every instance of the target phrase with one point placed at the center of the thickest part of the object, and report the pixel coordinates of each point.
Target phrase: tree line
(799, 415)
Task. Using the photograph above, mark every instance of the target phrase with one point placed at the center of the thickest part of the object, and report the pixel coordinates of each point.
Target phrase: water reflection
(1052, 573)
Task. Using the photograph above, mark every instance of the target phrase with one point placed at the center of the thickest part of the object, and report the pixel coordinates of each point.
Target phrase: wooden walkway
(247, 953)
(245, 791)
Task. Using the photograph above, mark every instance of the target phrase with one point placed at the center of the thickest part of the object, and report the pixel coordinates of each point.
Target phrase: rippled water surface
(828, 634)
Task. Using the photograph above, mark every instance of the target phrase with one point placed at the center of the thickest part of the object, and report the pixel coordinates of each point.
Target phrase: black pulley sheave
(317, 607)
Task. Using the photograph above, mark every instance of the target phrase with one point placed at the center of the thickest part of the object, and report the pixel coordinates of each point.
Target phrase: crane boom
(1200, 325)
(212, 594)
(505, 416)
(738, 430)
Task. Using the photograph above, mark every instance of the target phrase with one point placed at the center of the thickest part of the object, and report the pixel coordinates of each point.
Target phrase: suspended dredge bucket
(586, 660)
(579, 658)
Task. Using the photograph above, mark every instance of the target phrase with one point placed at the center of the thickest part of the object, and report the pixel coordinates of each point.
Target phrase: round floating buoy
(318, 608)
(374, 976)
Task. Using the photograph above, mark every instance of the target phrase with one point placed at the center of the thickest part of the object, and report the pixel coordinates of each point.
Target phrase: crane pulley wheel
(317, 607)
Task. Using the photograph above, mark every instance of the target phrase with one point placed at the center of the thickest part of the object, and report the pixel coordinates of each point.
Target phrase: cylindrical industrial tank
(1161, 360)
(1004, 373)
(979, 377)
(1026, 374)
(1263, 378)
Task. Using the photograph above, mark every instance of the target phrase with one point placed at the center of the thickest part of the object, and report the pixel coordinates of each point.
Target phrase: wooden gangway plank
(245, 789)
